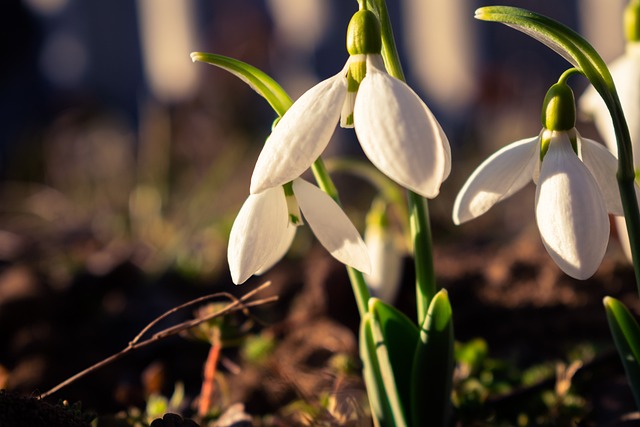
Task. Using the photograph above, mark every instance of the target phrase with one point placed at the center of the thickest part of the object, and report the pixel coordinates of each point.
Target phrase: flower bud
(559, 108)
(632, 21)
(363, 34)
(386, 268)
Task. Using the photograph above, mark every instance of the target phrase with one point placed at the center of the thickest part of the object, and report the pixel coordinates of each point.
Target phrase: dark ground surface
(511, 294)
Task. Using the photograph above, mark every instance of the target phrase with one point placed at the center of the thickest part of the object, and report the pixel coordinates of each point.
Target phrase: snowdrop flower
(396, 130)
(265, 226)
(576, 186)
(625, 71)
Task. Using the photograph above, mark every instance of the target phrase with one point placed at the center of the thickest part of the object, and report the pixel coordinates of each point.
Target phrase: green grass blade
(626, 335)
(380, 406)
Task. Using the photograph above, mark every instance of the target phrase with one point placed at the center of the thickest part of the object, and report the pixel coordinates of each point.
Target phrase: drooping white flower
(625, 71)
(397, 131)
(573, 195)
(264, 229)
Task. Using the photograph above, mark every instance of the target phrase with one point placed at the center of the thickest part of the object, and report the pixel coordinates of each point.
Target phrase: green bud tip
(632, 21)
(377, 215)
(559, 108)
(363, 34)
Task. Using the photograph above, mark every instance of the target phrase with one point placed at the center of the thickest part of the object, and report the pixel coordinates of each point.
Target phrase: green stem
(359, 286)
(325, 182)
(568, 73)
(389, 49)
(418, 208)
(422, 252)
(626, 186)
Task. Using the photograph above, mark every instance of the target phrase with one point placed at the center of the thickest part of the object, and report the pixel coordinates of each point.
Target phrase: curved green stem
(418, 208)
(568, 73)
(575, 49)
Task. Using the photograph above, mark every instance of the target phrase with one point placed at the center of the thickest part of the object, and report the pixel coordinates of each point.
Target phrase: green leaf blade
(400, 336)
(560, 38)
(433, 365)
(626, 336)
(383, 399)
(257, 79)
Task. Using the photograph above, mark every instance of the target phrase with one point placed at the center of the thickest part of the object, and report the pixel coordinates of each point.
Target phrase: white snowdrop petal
(447, 151)
(257, 233)
(331, 226)
(498, 177)
(277, 254)
(301, 135)
(570, 213)
(603, 166)
(623, 234)
(399, 134)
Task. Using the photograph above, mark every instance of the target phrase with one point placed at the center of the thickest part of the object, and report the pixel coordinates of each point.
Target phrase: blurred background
(108, 132)
(116, 149)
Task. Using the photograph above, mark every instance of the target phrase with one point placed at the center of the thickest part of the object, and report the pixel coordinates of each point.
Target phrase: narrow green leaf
(433, 366)
(400, 337)
(626, 335)
(379, 355)
(254, 77)
(380, 406)
(566, 42)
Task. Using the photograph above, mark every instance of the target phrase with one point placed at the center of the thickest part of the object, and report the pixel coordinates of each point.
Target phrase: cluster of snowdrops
(408, 364)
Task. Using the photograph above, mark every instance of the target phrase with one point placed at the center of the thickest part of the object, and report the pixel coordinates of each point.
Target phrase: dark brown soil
(510, 293)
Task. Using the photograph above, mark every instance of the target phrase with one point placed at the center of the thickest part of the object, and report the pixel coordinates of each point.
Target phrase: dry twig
(236, 304)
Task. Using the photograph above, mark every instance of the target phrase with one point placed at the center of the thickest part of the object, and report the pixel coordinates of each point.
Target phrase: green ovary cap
(632, 21)
(559, 108)
(363, 34)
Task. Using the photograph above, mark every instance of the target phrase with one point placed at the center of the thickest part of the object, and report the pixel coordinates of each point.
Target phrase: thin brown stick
(180, 307)
(236, 304)
(209, 379)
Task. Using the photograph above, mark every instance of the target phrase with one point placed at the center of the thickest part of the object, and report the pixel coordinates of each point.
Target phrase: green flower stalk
(625, 71)
(426, 287)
